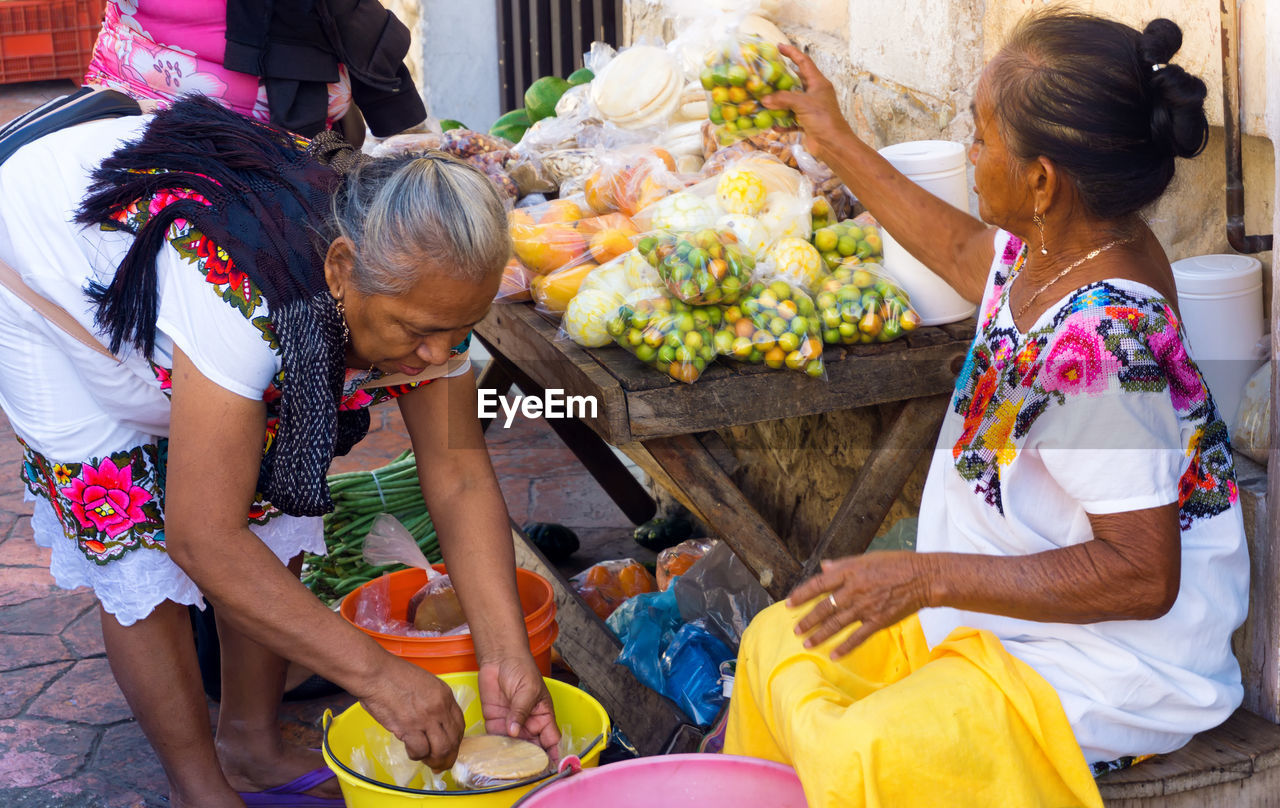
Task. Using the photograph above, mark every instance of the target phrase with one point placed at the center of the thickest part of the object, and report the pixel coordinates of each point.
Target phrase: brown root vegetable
(435, 607)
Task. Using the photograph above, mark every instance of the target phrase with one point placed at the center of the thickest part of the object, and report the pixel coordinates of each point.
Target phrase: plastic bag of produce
(607, 237)
(435, 607)
(630, 179)
(601, 293)
(1251, 432)
(605, 585)
(775, 324)
(858, 239)
(548, 237)
(736, 76)
(676, 561)
(795, 261)
(860, 303)
(704, 267)
(514, 287)
(755, 196)
(666, 334)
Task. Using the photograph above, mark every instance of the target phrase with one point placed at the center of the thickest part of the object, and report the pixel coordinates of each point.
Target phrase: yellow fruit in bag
(741, 191)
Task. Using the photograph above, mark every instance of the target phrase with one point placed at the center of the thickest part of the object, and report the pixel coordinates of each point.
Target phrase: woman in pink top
(304, 65)
(163, 51)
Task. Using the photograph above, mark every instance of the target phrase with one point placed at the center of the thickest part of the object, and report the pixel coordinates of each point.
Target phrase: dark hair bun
(1159, 41)
(1178, 122)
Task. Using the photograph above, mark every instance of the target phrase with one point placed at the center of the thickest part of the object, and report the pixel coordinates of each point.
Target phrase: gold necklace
(1094, 253)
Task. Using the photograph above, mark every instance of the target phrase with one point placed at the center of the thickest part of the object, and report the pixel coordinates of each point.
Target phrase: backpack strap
(84, 105)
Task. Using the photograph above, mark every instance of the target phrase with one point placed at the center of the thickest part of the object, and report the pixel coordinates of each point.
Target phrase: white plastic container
(1220, 298)
(938, 166)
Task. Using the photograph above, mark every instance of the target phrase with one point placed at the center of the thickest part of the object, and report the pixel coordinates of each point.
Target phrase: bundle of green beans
(358, 498)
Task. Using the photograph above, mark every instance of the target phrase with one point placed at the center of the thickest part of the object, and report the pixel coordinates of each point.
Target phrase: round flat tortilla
(634, 79)
(502, 758)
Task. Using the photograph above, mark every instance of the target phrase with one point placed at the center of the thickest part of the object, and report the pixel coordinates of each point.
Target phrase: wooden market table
(669, 429)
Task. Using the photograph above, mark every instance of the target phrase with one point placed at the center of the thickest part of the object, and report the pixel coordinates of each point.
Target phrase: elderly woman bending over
(1081, 559)
(256, 289)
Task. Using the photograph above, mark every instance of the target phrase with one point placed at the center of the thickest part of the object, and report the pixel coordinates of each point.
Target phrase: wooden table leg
(880, 480)
(712, 496)
(591, 450)
(653, 723)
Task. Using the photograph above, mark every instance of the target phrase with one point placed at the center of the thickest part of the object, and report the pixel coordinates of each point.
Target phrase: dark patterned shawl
(268, 195)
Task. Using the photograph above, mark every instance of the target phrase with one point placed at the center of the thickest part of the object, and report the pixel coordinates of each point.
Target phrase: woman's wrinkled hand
(419, 709)
(516, 702)
(877, 590)
(816, 108)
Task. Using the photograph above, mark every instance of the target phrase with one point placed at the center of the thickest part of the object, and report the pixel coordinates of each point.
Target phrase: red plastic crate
(47, 39)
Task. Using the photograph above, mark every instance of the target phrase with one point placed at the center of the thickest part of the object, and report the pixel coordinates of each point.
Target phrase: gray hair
(406, 214)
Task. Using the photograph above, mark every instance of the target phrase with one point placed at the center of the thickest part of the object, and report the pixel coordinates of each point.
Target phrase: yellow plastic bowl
(577, 713)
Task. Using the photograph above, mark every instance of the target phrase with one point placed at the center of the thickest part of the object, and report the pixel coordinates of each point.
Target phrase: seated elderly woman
(1081, 561)
(259, 292)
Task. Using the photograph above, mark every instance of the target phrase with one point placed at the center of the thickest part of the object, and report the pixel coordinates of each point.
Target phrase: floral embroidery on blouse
(107, 505)
(1102, 336)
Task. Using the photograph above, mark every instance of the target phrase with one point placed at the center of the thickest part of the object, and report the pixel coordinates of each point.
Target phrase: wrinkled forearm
(1085, 583)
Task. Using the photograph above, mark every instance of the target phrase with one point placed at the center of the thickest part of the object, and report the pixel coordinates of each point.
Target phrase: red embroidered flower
(106, 498)
(982, 394)
(220, 269)
(1129, 314)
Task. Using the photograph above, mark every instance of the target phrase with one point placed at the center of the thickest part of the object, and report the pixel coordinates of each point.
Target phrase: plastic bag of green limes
(666, 333)
(700, 267)
(852, 238)
(860, 303)
(737, 75)
(775, 324)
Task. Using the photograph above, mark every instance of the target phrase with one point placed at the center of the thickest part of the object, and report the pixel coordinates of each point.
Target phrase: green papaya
(554, 541)
(580, 76)
(661, 532)
(511, 126)
(450, 123)
(541, 97)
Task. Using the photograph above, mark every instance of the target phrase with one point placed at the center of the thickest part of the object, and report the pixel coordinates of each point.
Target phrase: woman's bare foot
(255, 764)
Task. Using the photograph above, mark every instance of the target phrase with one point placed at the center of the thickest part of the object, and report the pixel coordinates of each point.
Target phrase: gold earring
(342, 312)
(1039, 221)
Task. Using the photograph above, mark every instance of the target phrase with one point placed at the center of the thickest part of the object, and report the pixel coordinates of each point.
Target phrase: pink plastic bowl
(676, 781)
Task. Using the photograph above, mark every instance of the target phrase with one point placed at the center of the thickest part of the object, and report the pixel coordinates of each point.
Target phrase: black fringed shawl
(269, 196)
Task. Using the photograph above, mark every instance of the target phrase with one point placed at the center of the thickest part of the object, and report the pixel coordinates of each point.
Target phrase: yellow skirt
(896, 725)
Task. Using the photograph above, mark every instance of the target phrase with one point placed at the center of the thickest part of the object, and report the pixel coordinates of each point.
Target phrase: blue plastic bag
(677, 659)
(646, 625)
(691, 665)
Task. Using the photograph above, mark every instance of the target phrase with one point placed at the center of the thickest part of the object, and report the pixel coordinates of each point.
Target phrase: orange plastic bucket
(458, 653)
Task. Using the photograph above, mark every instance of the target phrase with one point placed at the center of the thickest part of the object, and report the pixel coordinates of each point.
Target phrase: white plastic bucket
(938, 166)
(1220, 297)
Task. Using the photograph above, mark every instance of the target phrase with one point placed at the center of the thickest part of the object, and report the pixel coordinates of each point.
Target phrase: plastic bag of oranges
(776, 324)
(676, 561)
(604, 586)
(631, 179)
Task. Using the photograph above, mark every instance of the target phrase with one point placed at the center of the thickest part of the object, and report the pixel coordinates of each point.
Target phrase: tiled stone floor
(67, 739)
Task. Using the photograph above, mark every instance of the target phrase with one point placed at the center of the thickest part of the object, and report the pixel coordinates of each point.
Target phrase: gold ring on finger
(831, 598)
